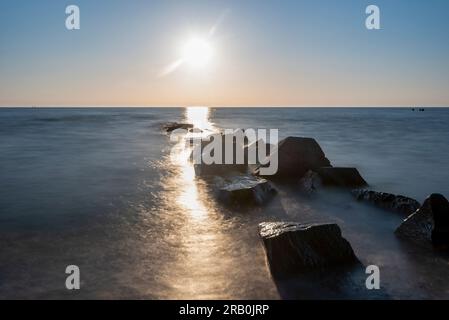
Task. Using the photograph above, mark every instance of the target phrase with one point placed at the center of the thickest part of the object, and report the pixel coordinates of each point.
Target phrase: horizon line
(213, 106)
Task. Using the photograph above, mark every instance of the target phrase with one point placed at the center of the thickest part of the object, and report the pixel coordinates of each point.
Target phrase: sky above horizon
(264, 53)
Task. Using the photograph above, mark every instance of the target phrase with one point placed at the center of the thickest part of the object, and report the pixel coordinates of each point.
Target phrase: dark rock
(294, 248)
(310, 182)
(330, 176)
(341, 177)
(391, 202)
(225, 166)
(296, 156)
(429, 224)
(257, 148)
(244, 190)
(260, 155)
(172, 126)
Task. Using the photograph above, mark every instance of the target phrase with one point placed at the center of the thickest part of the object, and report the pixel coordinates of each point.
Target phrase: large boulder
(294, 248)
(298, 155)
(388, 201)
(341, 177)
(244, 190)
(429, 224)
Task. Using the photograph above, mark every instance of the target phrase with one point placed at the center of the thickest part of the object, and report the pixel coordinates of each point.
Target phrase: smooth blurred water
(97, 188)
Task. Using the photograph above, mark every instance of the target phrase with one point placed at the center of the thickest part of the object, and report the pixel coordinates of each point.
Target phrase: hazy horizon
(220, 107)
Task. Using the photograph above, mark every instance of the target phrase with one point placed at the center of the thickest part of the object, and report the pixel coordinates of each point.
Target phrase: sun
(197, 52)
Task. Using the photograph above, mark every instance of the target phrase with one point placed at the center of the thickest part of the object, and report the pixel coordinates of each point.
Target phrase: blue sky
(265, 53)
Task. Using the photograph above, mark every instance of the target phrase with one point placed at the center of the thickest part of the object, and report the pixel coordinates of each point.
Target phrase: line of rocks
(425, 225)
(395, 203)
(299, 159)
(292, 247)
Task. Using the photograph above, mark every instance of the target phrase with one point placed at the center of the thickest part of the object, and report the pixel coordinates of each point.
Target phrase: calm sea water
(97, 188)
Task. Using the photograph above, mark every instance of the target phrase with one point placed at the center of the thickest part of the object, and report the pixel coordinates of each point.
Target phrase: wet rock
(330, 176)
(172, 126)
(310, 183)
(388, 201)
(341, 177)
(244, 190)
(429, 224)
(294, 248)
(298, 155)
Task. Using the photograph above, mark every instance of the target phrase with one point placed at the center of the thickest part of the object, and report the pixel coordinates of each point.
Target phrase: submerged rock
(429, 224)
(298, 155)
(294, 248)
(244, 190)
(172, 126)
(388, 201)
(340, 177)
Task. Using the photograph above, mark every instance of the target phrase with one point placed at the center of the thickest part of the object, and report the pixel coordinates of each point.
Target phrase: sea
(100, 188)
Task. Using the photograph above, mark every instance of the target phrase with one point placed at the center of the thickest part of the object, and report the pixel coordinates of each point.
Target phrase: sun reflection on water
(189, 196)
(208, 263)
(199, 117)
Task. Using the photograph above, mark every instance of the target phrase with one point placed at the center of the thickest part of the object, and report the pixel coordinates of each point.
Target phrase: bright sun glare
(197, 52)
